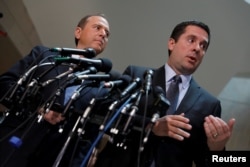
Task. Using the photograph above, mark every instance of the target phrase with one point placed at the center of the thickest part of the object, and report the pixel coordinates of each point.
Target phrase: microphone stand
(133, 111)
(124, 95)
(33, 84)
(115, 130)
(70, 80)
(10, 99)
(71, 134)
(74, 96)
(147, 89)
(79, 120)
(101, 133)
(23, 79)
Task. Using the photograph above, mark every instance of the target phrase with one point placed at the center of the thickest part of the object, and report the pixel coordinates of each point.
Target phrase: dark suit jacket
(41, 141)
(165, 151)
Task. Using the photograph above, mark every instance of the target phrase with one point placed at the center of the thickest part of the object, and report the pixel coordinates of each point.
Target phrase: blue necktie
(173, 94)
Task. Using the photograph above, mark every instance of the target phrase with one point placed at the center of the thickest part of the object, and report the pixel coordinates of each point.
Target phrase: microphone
(119, 99)
(23, 78)
(122, 81)
(160, 105)
(88, 52)
(104, 77)
(89, 70)
(134, 109)
(136, 82)
(115, 75)
(148, 75)
(102, 64)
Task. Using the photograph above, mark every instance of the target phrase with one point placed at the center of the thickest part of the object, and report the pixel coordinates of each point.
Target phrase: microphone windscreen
(126, 79)
(106, 65)
(158, 90)
(114, 75)
(91, 53)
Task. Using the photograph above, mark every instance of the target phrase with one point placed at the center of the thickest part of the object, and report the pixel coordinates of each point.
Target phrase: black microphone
(160, 105)
(88, 70)
(102, 77)
(102, 64)
(124, 80)
(118, 100)
(115, 75)
(136, 83)
(148, 75)
(88, 52)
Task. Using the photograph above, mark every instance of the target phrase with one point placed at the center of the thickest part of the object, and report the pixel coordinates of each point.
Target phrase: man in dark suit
(195, 128)
(41, 141)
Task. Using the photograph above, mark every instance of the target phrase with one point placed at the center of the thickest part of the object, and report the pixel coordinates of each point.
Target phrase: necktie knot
(177, 79)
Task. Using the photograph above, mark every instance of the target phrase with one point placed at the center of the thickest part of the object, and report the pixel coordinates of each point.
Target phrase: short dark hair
(181, 27)
(84, 21)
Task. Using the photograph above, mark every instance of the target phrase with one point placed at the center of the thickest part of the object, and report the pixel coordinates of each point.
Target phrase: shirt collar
(169, 72)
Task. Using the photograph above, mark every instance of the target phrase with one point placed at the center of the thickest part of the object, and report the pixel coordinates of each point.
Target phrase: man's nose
(103, 33)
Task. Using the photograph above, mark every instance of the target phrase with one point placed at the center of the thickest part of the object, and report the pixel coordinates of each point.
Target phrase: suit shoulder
(208, 95)
(40, 48)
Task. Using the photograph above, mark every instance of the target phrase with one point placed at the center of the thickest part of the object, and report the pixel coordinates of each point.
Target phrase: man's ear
(171, 44)
(78, 32)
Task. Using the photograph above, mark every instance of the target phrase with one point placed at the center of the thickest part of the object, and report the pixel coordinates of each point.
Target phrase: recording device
(102, 64)
(88, 52)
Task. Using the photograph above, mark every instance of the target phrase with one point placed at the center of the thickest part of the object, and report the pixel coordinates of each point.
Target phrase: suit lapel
(159, 78)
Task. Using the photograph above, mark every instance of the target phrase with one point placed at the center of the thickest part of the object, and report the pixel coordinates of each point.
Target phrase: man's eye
(190, 40)
(203, 46)
(107, 33)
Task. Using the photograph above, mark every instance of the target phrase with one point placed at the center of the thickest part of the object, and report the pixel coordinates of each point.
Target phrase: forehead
(196, 31)
(98, 20)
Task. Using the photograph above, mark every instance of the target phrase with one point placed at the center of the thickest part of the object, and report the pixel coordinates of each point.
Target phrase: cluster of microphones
(122, 102)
